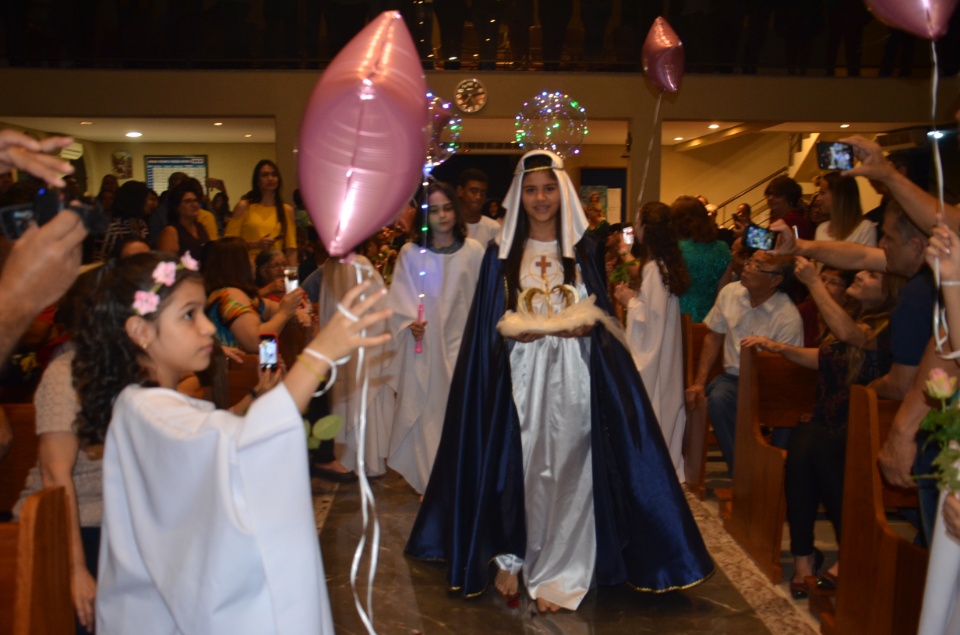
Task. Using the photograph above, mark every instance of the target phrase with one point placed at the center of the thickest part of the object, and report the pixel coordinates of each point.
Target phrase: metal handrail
(752, 187)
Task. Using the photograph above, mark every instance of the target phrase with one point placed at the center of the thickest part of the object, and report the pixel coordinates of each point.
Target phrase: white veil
(573, 220)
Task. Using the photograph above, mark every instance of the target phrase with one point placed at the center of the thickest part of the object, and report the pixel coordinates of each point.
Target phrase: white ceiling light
(844, 125)
(713, 126)
(133, 134)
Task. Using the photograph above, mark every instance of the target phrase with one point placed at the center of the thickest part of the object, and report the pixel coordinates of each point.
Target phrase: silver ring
(346, 312)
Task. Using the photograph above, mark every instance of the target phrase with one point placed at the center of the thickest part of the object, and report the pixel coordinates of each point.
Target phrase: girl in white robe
(208, 524)
(653, 321)
(450, 266)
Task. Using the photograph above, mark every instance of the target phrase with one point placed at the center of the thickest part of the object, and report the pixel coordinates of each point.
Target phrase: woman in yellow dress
(262, 219)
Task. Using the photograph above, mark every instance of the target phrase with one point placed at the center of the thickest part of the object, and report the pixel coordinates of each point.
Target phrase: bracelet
(346, 312)
(950, 283)
(323, 358)
(320, 378)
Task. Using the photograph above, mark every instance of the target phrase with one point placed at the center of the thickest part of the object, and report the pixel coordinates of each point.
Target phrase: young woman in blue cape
(552, 466)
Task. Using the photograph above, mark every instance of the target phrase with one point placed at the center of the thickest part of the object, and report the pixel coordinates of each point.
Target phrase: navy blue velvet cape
(473, 507)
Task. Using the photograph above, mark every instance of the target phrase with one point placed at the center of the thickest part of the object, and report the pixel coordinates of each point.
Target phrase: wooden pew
(23, 453)
(35, 568)
(773, 392)
(241, 378)
(882, 575)
(696, 435)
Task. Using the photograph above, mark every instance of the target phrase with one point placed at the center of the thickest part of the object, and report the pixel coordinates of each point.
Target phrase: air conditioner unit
(903, 139)
(72, 152)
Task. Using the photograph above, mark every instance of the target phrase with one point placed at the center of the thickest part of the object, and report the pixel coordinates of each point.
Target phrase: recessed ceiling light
(713, 126)
(248, 135)
(218, 123)
(844, 125)
(86, 123)
(134, 134)
(678, 138)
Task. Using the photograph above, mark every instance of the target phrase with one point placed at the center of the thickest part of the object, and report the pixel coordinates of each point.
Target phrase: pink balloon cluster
(662, 56)
(363, 136)
(924, 18)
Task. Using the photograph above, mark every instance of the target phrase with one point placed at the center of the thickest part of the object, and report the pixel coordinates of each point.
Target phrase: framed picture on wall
(610, 187)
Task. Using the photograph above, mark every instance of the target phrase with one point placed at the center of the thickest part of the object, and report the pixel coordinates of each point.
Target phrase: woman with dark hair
(840, 197)
(220, 207)
(269, 274)
(127, 220)
(262, 219)
(184, 233)
(855, 351)
(783, 196)
(429, 314)
(706, 257)
(233, 302)
(551, 464)
(653, 320)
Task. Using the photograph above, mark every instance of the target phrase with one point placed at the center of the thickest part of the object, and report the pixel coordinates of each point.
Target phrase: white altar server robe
(208, 523)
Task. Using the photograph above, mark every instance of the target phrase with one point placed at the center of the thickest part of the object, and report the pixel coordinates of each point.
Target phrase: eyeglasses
(755, 265)
(189, 201)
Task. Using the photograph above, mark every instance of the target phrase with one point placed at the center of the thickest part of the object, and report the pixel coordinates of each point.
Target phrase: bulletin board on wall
(160, 167)
(610, 184)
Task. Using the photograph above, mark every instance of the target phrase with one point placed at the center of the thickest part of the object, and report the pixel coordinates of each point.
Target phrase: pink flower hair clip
(164, 275)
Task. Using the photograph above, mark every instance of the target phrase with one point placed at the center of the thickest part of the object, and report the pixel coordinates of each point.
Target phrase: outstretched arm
(918, 204)
(833, 253)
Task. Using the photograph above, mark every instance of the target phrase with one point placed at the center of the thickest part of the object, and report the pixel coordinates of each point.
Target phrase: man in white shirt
(472, 190)
(755, 306)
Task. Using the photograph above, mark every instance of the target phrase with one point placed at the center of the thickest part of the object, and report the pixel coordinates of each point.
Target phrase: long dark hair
(176, 196)
(692, 221)
(256, 196)
(660, 245)
(459, 227)
(846, 213)
(130, 199)
(227, 264)
(106, 359)
(515, 257)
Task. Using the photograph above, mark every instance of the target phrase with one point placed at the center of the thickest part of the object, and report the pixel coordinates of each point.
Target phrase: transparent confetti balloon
(443, 131)
(551, 121)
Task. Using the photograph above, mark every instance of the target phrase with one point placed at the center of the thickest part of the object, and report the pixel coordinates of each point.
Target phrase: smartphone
(756, 237)
(834, 155)
(268, 351)
(290, 279)
(47, 203)
(627, 235)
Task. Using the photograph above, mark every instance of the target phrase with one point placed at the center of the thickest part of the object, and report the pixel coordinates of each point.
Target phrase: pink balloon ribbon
(363, 139)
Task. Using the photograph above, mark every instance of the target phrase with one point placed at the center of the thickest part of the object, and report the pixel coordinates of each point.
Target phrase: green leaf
(327, 427)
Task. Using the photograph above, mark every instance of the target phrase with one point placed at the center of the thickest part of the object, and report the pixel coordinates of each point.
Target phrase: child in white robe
(208, 524)
(450, 266)
(653, 320)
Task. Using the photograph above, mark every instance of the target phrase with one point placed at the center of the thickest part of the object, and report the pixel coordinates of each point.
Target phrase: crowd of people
(525, 379)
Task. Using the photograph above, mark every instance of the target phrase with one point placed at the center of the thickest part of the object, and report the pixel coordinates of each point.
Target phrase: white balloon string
(646, 164)
(368, 506)
(941, 330)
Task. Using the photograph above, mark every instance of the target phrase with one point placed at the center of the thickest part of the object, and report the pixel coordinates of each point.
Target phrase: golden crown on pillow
(525, 301)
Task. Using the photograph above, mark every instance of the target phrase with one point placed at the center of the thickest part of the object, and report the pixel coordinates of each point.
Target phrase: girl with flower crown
(208, 523)
(551, 464)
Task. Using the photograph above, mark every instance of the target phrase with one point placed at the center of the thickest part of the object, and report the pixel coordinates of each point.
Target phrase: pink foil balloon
(663, 57)
(362, 140)
(924, 18)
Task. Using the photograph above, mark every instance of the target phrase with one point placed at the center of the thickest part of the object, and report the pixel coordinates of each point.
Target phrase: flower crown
(164, 275)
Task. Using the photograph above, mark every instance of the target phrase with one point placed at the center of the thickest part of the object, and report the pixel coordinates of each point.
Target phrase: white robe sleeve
(646, 320)
(208, 520)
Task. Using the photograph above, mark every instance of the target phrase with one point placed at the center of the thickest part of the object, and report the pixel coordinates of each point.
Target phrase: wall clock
(471, 96)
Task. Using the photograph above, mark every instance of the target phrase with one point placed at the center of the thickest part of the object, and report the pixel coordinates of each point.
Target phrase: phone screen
(268, 351)
(834, 155)
(627, 235)
(756, 237)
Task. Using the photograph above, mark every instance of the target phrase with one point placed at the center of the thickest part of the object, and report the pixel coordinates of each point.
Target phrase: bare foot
(507, 584)
(333, 466)
(546, 605)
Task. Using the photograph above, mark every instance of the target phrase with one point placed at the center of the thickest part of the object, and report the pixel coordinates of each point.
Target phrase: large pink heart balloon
(362, 140)
(663, 57)
(924, 18)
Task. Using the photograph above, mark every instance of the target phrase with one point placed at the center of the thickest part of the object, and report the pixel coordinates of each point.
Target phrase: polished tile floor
(410, 597)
